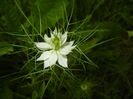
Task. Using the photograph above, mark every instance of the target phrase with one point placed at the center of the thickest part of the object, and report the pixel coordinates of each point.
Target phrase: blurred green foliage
(100, 68)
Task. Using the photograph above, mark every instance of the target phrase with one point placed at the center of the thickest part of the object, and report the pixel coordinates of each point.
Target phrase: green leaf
(110, 30)
(50, 12)
(130, 33)
(11, 17)
(5, 93)
(34, 94)
(5, 48)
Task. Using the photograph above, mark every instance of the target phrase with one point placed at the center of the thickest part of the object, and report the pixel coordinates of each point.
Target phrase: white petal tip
(35, 43)
(65, 66)
(38, 59)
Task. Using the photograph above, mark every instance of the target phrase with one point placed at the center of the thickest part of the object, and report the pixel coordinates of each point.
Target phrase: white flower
(55, 48)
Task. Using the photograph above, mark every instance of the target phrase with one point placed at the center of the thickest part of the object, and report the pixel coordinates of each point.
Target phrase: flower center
(56, 42)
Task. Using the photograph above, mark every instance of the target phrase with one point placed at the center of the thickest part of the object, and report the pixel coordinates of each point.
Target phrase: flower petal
(55, 31)
(67, 48)
(70, 43)
(51, 60)
(64, 38)
(47, 39)
(44, 55)
(62, 60)
(43, 46)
